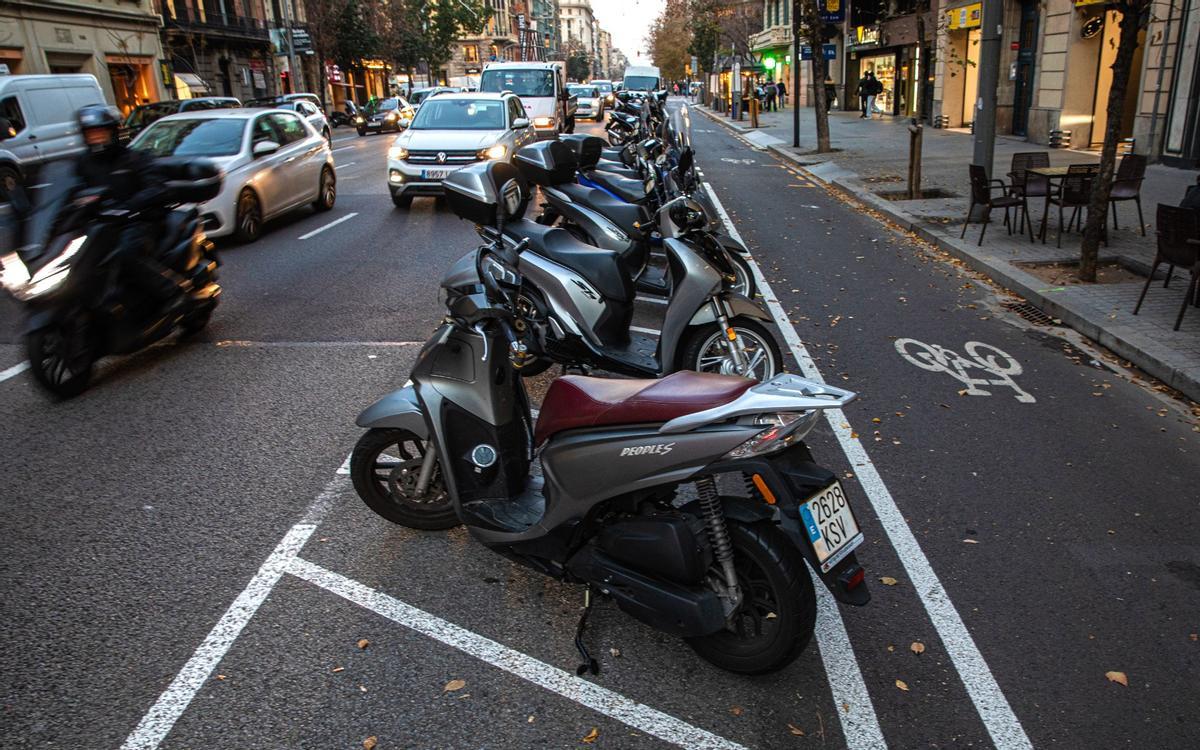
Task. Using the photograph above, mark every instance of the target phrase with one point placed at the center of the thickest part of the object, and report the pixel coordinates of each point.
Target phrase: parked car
(393, 113)
(451, 131)
(606, 90)
(45, 131)
(590, 102)
(273, 101)
(543, 91)
(144, 115)
(420, 95)
(273, 161)
(310, 112)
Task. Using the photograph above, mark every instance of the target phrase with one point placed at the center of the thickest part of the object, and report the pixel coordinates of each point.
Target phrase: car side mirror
(520, 123)
(265, 148)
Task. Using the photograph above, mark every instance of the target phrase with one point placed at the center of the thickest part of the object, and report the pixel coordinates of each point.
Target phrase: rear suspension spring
(718, 532)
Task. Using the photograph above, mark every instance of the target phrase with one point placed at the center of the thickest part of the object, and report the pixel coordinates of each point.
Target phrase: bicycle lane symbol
(993, 362)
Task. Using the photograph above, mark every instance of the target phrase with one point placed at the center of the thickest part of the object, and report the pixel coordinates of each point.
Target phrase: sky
(628, 21)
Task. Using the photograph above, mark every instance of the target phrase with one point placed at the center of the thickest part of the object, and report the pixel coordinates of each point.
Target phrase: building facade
(297, 66)
(579, 29)
(218, 48)
(773, 45)
(604, 53)
(118, 44)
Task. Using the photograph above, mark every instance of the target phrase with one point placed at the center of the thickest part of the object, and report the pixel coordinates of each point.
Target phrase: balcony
(212, 18)
(776, 36)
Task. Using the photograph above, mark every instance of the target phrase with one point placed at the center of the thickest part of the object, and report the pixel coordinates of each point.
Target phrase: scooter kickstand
(589, 664)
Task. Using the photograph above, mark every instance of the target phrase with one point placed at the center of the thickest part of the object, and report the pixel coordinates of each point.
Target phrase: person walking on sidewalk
(781, 90)
(863, 91)
(770, 91)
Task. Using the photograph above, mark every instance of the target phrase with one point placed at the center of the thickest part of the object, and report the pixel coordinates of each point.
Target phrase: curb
(1147, 356)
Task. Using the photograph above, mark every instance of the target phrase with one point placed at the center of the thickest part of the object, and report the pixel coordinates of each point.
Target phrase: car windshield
(522, 82)
(641, 83)
(420, 96)
(140, 117)
(460, 114)
(198, 137)
(384, 105)
(604, 86)
(587, 92)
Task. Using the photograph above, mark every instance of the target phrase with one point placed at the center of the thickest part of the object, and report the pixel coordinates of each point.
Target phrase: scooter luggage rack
(783, 393)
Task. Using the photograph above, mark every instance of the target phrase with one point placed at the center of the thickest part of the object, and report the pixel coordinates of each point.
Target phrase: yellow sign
(966, 17)
(833, 6)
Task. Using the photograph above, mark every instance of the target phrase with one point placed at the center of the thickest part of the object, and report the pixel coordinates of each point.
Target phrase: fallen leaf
(795, 730)
(902, 685)
(453, 685)
(363, 643)
(970, 541)
(530, 718)
(876, 420)
(592, 736)
(1194, 636)
(888, 581)
(917, 647)
(736, 710)
(854, 436)
(220, 677)
(891, 647)
(1117, 677)
(370, 743)
(339, 669)
(962, 392)
(615, 651)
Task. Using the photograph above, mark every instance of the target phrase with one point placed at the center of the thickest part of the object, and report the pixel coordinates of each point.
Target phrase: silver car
(451, 131)
(273, 161)
(310, 112)
(590, 100)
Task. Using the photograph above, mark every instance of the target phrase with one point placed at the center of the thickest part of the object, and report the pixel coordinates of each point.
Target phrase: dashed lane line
(13, 371)
(993, 708)
(330, 225)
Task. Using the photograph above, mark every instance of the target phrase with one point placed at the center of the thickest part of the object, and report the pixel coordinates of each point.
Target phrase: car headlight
(397, 153)
(543, 122)
(392, 115)
(359, 119)
(495, 152)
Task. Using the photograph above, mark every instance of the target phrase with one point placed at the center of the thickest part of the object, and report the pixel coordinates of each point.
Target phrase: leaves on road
(736, 710)
(370, 742)
(917, 647)
(592, 736)
(1117, 677)
(453, 685)
(902, 685)
(888, 581)
(339, 669)
(795, 730)
(970, 541)
(363, 643)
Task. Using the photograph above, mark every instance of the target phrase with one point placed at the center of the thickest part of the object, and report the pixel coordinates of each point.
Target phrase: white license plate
(435, 174)
(830, 525)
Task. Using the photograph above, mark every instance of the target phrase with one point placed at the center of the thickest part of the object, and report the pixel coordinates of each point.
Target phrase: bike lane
(1059, 511)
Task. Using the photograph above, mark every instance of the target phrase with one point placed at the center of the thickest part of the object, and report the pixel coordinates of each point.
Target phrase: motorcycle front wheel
(705, 349)
(778, 612)
(61, 357)
(385, 467)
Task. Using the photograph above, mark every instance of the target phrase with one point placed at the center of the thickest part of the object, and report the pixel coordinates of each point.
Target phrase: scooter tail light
(853, 578)
(783, 430)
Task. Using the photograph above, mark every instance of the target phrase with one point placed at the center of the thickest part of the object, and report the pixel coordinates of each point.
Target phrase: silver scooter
(726, 572)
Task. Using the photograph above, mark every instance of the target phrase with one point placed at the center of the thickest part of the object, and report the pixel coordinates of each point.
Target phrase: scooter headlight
(16, 278)
(783, 430)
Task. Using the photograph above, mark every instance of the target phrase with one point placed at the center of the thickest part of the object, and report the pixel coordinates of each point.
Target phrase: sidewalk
(873, 160)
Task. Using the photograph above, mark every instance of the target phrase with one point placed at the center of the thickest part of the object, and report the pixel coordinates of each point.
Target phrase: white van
(541, 87)
(40, 110)
(642, 78)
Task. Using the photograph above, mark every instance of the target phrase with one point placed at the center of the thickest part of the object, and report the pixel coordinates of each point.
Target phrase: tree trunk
(919, 85)
(820, 69)
(1097, 215)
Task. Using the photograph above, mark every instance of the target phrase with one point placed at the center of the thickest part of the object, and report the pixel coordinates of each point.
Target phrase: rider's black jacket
(133, 179)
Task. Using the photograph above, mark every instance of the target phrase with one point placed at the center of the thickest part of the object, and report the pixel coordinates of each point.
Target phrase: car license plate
(435, 174)
(831, 525)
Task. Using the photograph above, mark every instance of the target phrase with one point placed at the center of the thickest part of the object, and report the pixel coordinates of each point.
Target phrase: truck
(542, 89)
(642, 78)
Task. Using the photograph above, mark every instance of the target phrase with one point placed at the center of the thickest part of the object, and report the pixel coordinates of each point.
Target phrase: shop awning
(194, 82)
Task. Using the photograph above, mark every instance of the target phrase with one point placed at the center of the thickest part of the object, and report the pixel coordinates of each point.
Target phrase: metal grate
(1031, 314)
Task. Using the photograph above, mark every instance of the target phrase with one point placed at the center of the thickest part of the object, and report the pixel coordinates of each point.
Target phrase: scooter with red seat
(612, 507)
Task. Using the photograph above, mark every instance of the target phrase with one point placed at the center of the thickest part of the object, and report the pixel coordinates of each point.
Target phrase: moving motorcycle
(79, 306)
(724, 572)
(579, 298)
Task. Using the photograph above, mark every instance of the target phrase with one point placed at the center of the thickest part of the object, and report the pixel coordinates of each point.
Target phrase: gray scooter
(726, 572)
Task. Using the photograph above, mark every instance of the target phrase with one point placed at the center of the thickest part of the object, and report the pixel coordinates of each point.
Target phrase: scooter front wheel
(778, 612)
(706, 349)
(61, 357)
(386, 469)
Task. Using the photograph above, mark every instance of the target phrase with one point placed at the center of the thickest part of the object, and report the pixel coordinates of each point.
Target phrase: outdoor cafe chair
(1178, 232)
(1028, 185)
(1075, 191)
(981, 195)
(1127, 186)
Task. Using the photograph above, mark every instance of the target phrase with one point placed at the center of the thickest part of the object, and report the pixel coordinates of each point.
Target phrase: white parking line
(13, 371)
(651, 331)
(330, 225)
(587, 694)
(993, 708)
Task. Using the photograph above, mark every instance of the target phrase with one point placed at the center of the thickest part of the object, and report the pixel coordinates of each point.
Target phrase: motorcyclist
(131, 181)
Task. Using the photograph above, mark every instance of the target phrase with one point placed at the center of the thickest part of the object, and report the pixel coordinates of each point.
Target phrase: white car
(590, 100)
(273, 161)
(452, 131)
(310, 112)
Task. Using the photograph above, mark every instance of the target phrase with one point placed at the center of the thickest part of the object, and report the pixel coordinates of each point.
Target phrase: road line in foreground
(587, 694)
(330, 225)
(13, 371)
(158, 721)
(993, 708)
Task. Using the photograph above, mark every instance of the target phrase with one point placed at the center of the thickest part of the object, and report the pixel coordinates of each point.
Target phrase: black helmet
(99, 116)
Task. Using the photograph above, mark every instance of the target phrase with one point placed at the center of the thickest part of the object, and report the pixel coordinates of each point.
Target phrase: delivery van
(642, 78)
(542, 89)
(38, 120)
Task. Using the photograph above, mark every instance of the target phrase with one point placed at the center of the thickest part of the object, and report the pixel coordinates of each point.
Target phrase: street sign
(833, 11)
(301, 40)
(830, 51)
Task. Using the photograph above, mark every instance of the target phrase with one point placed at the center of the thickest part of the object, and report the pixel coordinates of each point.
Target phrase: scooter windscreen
(29, 220)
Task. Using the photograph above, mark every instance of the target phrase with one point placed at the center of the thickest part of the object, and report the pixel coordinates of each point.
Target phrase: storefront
(891, 51)
(133, 81)
(1181, 141)
(960, 88)
(1085, 101)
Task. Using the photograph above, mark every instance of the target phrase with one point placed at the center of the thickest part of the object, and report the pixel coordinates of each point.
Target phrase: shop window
(471, 53)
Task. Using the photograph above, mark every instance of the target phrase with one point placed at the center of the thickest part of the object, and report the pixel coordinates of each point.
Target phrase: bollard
(916, 137)
(754, 112)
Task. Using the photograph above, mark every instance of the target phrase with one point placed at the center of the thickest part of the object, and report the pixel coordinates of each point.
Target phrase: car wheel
(402, 201)
(362, 132)
(326, 190)
(248, 222)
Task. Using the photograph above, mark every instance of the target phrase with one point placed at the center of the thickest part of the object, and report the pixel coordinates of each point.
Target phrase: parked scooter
(726, 573)
(79, 306)
(579, 298)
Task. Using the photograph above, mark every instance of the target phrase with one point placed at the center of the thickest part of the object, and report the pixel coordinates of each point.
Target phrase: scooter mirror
(686, 159)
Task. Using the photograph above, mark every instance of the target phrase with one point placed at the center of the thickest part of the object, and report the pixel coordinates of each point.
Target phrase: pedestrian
(876, 90)
(781, 90)
(830, 93)
(864, 85)
(771, 91)
(676, 89)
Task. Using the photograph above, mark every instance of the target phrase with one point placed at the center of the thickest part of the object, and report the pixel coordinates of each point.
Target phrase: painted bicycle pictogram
(999, 365)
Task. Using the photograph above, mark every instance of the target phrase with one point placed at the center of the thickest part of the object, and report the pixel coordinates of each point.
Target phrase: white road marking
(343, 148)
(588, 694)
(651, 331)
(993, 361)
(237, 343)
(993, 708)
(655, 300)
(13, 371)
(157, 722)
(330, 225)
(352, 163)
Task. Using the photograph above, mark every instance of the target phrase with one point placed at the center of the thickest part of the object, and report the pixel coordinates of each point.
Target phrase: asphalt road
(1036, 543)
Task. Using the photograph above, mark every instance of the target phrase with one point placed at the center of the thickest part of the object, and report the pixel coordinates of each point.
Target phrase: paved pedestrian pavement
(871, 163)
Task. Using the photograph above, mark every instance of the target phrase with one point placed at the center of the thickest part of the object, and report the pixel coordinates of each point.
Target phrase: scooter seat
(633, 191)
(576, 401)
(616, 154)
(617, 168)
(603, 268)
(625, 215)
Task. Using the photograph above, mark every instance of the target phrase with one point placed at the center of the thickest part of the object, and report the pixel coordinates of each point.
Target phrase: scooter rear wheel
(385, 467)
(778, 614)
